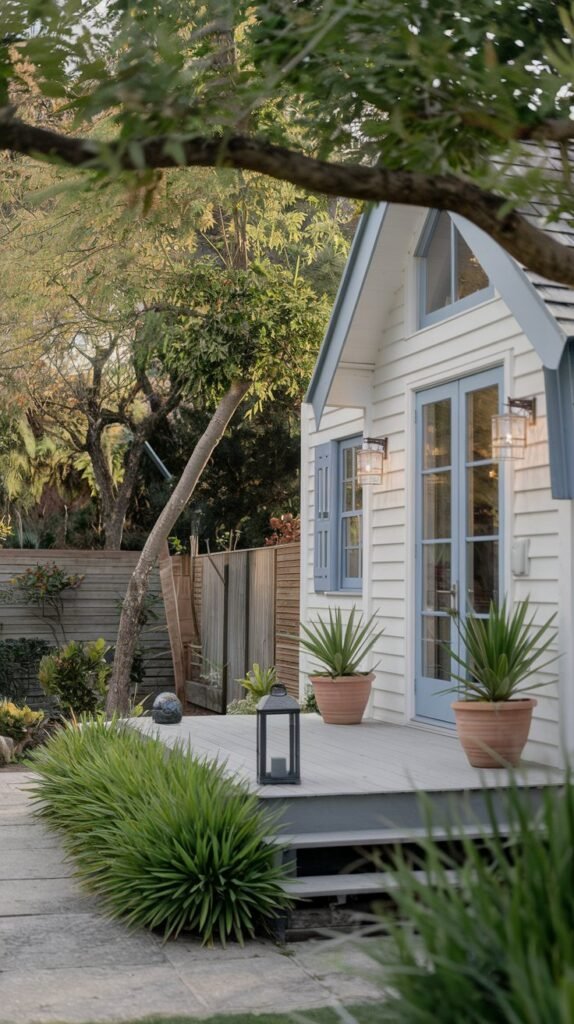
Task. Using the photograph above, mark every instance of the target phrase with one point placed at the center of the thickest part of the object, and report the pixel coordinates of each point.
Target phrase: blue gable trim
(528, 309)
(560, 417)
(362, 249)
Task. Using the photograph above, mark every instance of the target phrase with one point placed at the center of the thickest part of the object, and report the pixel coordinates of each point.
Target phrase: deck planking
(356, 760)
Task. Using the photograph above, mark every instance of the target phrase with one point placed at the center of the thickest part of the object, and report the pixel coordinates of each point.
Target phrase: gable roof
(543, 309)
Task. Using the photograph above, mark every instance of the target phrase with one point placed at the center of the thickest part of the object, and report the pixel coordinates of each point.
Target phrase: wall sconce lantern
(509, 429)
(370, 460)
(278, 713)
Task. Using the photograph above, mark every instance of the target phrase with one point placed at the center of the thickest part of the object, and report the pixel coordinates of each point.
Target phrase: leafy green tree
(433, 104)
(252, 326)
(252, 475)
(106, 300)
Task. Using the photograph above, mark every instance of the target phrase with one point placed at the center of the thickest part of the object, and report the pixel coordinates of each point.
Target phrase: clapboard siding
(405, 362)
(91, 610)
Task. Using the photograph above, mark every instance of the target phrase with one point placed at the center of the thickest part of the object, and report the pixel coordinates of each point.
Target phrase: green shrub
(169, 842)
(77, 675)
(258, 681)
(18, 723)
(497, 947)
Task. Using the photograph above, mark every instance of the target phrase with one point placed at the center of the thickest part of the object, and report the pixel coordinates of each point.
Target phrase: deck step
(379, 836)
(313, 886)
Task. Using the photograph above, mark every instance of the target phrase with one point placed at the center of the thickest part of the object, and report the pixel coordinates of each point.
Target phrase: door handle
(452, 592)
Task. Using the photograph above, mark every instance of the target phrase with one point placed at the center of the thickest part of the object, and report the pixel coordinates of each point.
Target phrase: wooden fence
(225, 612)
(90, 611)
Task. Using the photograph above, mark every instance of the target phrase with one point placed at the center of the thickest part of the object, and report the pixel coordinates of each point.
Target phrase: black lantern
(278, 713)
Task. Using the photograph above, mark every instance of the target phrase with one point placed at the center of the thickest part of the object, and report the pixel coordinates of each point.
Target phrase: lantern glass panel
(509, 435)
(369, 466)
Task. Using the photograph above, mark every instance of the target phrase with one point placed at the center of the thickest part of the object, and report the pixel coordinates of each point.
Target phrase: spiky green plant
(491, 941)
(258, 681)
(502, 652)
(167, 841)
(339, 649)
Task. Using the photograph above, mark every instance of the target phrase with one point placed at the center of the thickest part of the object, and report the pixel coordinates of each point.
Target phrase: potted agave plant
(342, 689)
(501, 653)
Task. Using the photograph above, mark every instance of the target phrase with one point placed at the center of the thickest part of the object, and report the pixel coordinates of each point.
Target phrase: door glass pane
(347, 497)
(436, 656)
(436, 505)
(470, 276)
(436, 577)
(482, 574)
(436, 434)
(438, 266)
(482, 482)
(348, 464)
(481, 406)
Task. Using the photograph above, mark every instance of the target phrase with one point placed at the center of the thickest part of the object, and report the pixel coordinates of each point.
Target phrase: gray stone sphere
(167, 709)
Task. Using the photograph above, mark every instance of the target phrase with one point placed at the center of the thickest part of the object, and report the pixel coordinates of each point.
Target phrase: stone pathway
(61, 960)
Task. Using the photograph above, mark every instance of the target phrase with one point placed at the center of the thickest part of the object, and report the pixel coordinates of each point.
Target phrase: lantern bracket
(527, 405)
(381, 443)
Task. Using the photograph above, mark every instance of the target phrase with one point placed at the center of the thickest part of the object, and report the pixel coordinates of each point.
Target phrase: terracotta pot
(342, 700)
(493, 734)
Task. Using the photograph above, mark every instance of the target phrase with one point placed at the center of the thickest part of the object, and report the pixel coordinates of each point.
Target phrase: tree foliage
(125, 317)
(435, 104)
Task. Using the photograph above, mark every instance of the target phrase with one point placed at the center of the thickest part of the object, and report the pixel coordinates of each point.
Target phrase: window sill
(342, 593)
(453, 313)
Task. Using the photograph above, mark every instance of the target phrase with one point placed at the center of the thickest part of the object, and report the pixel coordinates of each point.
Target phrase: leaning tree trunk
(119, 692)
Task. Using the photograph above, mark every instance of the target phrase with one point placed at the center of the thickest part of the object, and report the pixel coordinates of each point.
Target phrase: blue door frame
(458, 553)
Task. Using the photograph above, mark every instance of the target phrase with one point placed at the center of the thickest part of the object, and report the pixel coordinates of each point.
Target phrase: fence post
(225, 655)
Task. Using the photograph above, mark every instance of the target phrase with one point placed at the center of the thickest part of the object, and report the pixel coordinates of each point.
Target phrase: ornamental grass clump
(339, 649)
(502, 652)
(167, 841)
(491, 942)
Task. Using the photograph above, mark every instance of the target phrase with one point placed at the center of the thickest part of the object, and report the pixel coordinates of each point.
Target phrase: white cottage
(434, 328)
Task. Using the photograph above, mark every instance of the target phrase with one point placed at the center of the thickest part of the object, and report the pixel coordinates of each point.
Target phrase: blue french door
(458, 527)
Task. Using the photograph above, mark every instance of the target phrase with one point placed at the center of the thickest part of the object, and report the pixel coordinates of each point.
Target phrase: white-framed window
(451, 278)
(338, 562)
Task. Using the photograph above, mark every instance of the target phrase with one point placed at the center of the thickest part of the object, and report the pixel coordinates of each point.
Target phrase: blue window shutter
(325, 524)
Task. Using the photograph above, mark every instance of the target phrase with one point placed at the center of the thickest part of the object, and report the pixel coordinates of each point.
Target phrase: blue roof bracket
(559, 385)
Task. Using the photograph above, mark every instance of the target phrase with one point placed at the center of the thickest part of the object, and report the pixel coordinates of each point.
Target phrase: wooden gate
(227, 611)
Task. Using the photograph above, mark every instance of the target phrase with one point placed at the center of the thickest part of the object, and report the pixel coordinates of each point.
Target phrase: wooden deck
(377, 770)
(361, 791)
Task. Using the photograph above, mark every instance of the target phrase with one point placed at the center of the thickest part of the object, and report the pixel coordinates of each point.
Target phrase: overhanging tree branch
(527, 243)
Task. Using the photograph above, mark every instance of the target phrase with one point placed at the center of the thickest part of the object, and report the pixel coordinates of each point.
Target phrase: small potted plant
(341, 688)
(500, 654)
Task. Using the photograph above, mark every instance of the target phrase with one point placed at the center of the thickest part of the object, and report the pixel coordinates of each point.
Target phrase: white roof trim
(348, 295)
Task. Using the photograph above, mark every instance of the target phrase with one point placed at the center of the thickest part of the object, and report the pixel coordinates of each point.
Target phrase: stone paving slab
(33, 863)
(73, 996)
(264, 983)
(37, 896)
(26, 837)
(72, 940)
